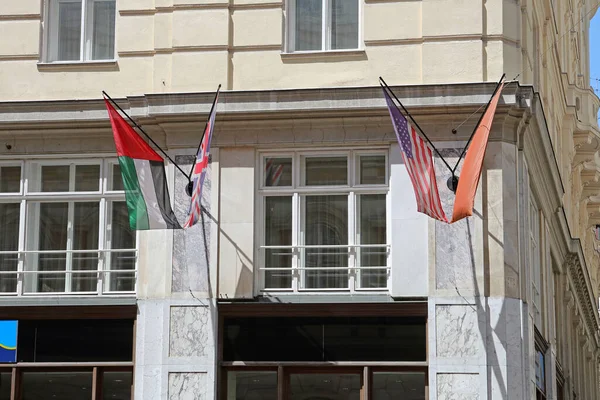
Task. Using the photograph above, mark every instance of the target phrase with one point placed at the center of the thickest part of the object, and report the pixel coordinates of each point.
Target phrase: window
(540, 366)
(80, 359)
(325, 221)
(65, 229)
(535, 261)
(81, 30)
(322, 357)
(322, 25)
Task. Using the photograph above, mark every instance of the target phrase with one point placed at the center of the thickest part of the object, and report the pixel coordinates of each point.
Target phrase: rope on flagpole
(205, 125)
(385, 86)
(145, 134)
(190, 186)
(477, 125)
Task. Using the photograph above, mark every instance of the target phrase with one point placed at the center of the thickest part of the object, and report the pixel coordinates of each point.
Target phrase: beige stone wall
(183, 46)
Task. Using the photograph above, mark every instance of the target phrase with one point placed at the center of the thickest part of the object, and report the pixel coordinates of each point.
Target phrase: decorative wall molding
(20, 17)
(580, 280)
(205, 6)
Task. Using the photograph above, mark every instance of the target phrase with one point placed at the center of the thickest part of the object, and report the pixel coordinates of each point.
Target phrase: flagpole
(385, 86)
(476, 125)
(145, 134)
(204, 131)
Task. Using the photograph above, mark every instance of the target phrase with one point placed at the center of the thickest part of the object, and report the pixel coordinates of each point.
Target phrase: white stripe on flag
(422, 174)
(144, 174)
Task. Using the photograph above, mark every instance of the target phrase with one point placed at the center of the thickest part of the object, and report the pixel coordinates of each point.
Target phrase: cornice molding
(430, 100)
(583, 292)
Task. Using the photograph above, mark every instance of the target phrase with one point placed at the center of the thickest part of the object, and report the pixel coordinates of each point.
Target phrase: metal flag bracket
(106, 96)
(453, 180)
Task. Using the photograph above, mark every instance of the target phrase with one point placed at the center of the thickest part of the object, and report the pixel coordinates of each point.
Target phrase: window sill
(341, 55)
(59, 66)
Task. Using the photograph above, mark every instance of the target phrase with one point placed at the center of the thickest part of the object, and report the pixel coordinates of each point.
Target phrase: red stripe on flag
(127, 140)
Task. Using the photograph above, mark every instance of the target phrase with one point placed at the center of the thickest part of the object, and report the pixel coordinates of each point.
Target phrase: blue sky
(595, 52)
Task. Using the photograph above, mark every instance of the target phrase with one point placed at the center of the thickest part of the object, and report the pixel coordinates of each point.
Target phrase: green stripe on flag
(138, 213)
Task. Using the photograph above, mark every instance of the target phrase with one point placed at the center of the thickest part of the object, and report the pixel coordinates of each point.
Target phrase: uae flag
(144, 179)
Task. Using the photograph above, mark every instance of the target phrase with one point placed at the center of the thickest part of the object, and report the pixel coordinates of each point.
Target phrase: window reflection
(116, 385)
(57, 385)
(5, 382)
(122, 237)
(9, 241)
(326, 225)
(398, 385)
(278, 232)
(325, 386)
(87, 178)
(55, 178)
(278, 171)
(320, 171)
(10, 179)
(252, 385)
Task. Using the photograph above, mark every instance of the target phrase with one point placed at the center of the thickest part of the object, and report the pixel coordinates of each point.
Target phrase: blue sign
(8, 341)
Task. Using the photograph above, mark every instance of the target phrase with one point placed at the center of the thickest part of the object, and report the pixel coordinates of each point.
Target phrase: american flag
(199, 171)
(418, 159)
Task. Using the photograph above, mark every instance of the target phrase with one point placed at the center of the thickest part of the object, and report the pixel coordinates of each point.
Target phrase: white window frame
(50, 47)
(21, 186)
(290, 31)
(297, 191)
(535, 261)
(102, 196)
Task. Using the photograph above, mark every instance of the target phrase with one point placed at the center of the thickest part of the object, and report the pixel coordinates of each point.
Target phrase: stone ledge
(108, 65)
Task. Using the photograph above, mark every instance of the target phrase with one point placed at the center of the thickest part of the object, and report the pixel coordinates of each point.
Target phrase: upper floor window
(65, 228)
(322, 25)
(324, 220)
(81, 30)
(535, 261)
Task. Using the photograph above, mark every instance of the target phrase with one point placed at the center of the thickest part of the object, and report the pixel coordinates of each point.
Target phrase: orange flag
(471, 171)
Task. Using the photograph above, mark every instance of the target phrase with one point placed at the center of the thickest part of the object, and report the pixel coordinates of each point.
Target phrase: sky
(595, 52)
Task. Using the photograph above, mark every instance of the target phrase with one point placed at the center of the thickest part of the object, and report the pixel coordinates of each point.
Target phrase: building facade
(311, 275)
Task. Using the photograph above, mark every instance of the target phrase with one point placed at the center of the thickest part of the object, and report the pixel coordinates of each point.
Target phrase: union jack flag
(273, 172)
(199, 171)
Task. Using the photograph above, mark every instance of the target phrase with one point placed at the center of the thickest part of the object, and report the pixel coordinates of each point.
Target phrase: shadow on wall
(483, 310)
(245, 277)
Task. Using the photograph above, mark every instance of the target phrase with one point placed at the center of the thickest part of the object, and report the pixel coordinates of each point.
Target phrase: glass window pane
(309, 25)
(372, 230)
(324, 339)
(251, 385)
(115, 180)
(5, 382)
(326, 224)
(344, 24)
(372, 170)
(116, 385)
(10, 179)
(325, 386)
(278, 232)
(55, 178)
(75, 340)
(53, 222)
(321, 171)
(57, 385)
(69, 30)
(9, 241)
(278, 171)
(103, 30)
(86, 226)
(398, 385)
(87, 178)
(122, 237)
(540, 372)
